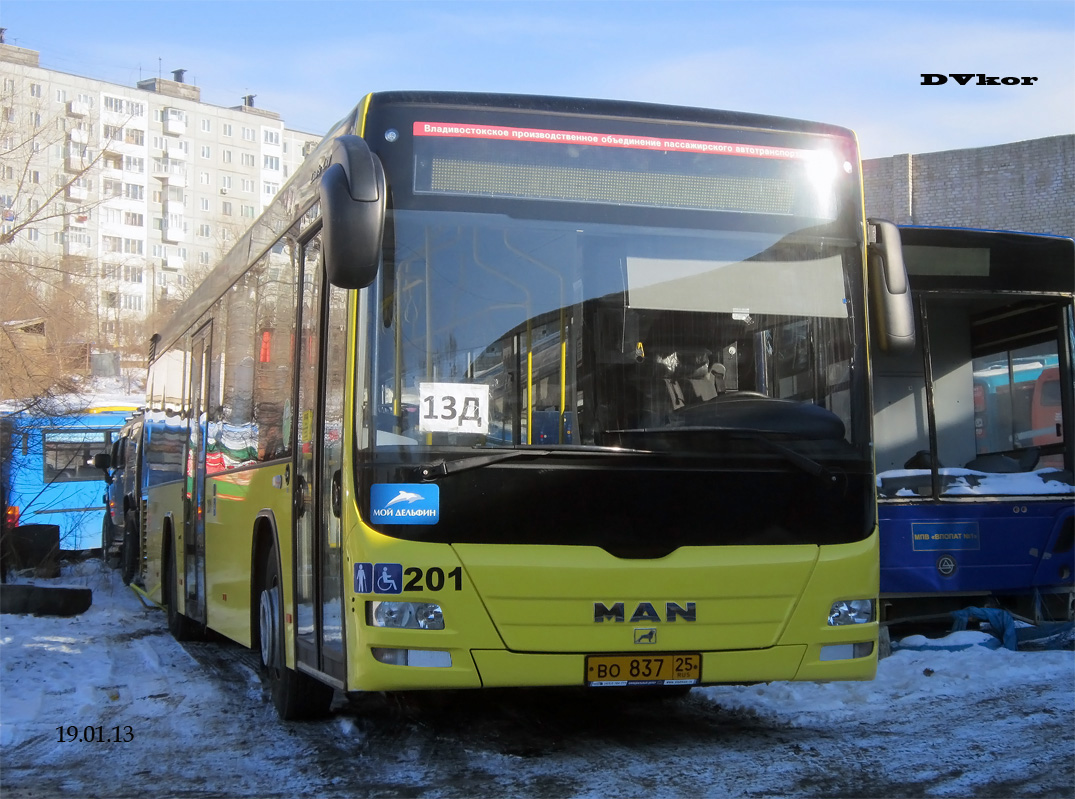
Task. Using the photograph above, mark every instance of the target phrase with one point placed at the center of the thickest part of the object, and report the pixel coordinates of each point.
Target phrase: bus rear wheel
(181, 627)
(294, 695)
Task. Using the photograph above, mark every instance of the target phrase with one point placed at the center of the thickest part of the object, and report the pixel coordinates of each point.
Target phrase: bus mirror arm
(352, 193)
(890, 294)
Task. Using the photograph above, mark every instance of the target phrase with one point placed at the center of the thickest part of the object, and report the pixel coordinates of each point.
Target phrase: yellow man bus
(530, 391)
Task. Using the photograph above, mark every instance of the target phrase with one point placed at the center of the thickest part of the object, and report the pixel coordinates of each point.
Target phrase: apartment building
(130, 193)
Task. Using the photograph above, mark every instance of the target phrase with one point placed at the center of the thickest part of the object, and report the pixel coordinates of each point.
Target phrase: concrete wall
(1027, 186)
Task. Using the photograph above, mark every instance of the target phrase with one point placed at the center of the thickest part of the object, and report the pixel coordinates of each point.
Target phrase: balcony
(173, 234)
(174, 153)
(78, 136)
(77, 108)
(76, 241)
(78, 161)
(170, 172)
(77, 193)
(174, 124)
(171, 206)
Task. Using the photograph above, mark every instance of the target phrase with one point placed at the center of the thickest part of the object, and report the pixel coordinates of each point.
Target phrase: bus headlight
(407, 615)
(853, 611)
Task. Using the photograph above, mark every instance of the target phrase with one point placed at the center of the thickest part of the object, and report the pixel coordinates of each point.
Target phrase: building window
(111, 244)
(133, 246)
(131, 218)
(225, 181)
(35, 89)
(207, 126)
(132, 191)
(134, 164)
(134, 136)
(226, 129)
(203, 231)
(249, 134)
(248, 184)
(246, 211)
(206, 152)
(225, 156)
(225, 208)
(272, 136)
(271, 162)
(112, 132)
(271, 189)
(248, 159)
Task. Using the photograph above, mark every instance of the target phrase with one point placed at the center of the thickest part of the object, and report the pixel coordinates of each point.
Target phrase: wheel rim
(270, 621)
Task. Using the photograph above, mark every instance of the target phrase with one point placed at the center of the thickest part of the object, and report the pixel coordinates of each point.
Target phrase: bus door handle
(298, 500)
(337, 493)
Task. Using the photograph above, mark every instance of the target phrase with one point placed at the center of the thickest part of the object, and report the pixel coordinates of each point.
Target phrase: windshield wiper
(440, 468)
(829, 477)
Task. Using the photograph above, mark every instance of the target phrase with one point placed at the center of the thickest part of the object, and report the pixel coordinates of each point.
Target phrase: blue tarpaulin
(1001, 623)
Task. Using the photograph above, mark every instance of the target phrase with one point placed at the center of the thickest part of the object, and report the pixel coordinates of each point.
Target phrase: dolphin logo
(403, 496)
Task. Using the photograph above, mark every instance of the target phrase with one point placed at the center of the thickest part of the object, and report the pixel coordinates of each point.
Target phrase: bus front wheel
(294, 695)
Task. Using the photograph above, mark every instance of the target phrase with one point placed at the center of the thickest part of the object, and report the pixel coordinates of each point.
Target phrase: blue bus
(48, 473)
(973, 428)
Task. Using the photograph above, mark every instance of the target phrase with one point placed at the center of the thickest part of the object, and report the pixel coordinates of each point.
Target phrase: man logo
(645, 612)
(646, 636)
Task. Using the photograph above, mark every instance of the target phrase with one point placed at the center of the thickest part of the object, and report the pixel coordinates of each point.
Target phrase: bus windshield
(495, 332)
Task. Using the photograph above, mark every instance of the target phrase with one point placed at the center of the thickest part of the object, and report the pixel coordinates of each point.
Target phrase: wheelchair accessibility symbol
(378, 578)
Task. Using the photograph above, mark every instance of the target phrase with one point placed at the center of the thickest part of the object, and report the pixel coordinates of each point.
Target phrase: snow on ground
(973, 722)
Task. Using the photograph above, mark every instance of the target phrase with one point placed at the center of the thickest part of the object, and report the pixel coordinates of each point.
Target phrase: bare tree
(47, 195)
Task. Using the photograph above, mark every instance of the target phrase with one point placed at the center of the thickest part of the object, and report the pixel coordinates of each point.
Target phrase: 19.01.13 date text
(101, 735)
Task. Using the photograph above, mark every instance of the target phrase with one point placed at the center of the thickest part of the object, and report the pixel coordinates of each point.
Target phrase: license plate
(604, 671)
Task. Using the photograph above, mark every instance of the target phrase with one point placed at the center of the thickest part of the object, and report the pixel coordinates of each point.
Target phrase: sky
(855, 64)
(943, 718)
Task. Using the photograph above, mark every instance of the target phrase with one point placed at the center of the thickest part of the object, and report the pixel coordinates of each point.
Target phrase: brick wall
(1027, 186)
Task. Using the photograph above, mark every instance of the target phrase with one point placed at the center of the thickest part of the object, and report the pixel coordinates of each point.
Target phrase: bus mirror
(102, 461)
(352, 192)
(890, 292)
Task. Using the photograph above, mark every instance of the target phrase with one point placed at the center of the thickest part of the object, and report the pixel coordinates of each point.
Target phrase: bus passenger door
(319, 460)
(194, 516)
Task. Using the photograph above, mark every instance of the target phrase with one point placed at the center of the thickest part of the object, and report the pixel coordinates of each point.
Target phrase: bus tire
(181, 627)
(294, 695)
(108, 538)
(130, 552)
